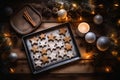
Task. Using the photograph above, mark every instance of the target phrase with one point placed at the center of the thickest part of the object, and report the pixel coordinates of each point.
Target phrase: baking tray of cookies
(50, 48)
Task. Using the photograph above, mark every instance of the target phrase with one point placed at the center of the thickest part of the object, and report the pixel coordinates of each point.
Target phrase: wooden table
(76, 67)
(82, 66)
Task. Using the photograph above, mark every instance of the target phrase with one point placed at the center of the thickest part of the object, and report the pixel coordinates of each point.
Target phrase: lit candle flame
(83, 27)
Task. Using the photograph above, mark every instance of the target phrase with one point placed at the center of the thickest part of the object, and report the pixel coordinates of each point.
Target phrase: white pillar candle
(83, 28)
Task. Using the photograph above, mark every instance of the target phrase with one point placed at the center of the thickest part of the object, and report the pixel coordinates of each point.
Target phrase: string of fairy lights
(74, 13)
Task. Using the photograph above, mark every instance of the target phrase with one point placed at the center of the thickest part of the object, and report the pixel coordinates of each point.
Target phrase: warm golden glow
(118, 58)
(12, 70)
(6, 34)
(101, 5)
(115, 41)
(87, 56)
(116, 4)
(112, 35)
(107, 69)
(80, 18)
(93, 12)
(9, 42)
(118, 22)
(66, 19)
(83, 27)
(114, 53)
(74, 5)
(61, 7)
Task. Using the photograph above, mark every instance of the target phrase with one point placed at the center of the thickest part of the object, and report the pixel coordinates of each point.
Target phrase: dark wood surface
(84, 65)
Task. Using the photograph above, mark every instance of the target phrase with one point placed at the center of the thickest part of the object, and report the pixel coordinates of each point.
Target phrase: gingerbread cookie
(42, 43)
(70, 55)
(59, 44)
(67, 39)
(62, 53)
(35, 49)
(62, 31)
(38, 63)
(51, 46)
(44, 59)
(34, 40)
(42, 36)
(53, 55)
(68, 46)
(57, 37)
(43, 51)
(51, 37)
(36, 56)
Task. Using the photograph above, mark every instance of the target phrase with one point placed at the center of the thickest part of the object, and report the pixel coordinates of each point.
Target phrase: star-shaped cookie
(62, 31)
(51, 46)
(36, 56)
(70, 55)
(42, 43)
(62, 53)
(42, 36)
(44, 59)
(67, 39)
(35, 49)
(59, 44)
(43, 51)
(51, 37)
(34, 40)
(57, 37)
(53, 55)
(68, 46)
(38, 63)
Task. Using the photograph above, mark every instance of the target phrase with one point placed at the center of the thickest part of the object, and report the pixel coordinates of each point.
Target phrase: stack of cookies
(51, 47)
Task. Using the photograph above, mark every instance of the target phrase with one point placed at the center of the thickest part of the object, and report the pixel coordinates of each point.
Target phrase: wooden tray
(21, 25)
(60, 58)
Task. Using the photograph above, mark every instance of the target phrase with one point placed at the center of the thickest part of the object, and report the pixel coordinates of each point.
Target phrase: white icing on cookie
(51, 46)
(36, 56)
(53, 55)
(59, 44)
(38, 63)
(57, 37)
(42, 43)
(70, 55)
(62, 53)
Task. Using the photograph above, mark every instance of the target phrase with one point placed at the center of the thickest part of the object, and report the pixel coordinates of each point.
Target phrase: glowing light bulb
(93, 12)
(80, 18)
(118, 22)
(114, 53)
(74, 5)
(108, 69)
(116, 4)
(101, 5)
(12, 70)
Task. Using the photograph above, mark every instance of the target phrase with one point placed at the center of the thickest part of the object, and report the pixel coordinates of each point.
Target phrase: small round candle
(83, 27)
